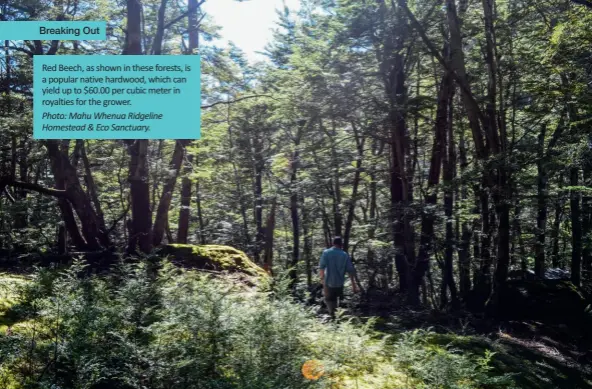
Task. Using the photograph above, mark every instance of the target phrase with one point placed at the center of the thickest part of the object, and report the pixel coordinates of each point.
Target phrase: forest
(448, 142)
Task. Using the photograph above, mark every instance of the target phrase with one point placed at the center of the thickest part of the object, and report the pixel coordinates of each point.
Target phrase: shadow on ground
(534, 363)
(539, 355)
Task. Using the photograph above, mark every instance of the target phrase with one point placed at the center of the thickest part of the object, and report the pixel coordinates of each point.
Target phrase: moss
(9, 284)
(214, 258)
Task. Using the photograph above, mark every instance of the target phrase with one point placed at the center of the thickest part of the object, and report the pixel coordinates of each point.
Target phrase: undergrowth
(167, 328)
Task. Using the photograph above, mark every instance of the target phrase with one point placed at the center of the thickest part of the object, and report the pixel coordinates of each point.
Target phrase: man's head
(337, 242)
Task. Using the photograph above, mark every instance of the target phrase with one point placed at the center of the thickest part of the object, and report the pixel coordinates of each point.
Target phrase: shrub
(172, 328)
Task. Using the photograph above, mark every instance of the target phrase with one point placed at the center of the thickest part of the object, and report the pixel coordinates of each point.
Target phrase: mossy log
(216, 258)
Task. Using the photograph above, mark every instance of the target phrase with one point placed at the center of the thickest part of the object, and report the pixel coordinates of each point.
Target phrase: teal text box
(116, 97)
(46, 30)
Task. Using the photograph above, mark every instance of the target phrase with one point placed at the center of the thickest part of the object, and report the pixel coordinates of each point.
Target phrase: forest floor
(539, 355)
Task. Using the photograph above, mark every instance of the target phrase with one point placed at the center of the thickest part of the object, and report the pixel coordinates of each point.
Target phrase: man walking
(334, 264)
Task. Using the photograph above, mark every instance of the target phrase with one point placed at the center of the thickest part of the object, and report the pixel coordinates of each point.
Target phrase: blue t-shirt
(336, 263)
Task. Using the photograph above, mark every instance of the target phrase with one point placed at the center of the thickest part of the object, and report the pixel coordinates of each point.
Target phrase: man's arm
(351, 270)
(322, 267)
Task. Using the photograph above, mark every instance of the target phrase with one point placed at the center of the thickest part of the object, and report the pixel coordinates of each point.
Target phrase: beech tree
(446, 142)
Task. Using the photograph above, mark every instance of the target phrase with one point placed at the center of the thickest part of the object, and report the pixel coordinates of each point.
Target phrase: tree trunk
(62, 239)
(65, 175)
(21, 219)
(334, 185)
(307, 249)
(168, 233)
(133, 44)
(428, 217)
(167, 192)
(354, 196)
(576, 227)
(394, 80)
(476, 235)
(161, 220)
(159, 35)
(70, 221)
(496, 145)
(449, 163)
(503, 252)
(268, 239)
(258, 165)
(556, 260)
(66, 210)
(294, 214)
(155, 175)
(516, 233)
(202, 227)
(457, 63)
(326, 230)
(193, 24)
(464, 255)
(92, 188)
(183, 230)
(241, 197)
(185, 210)
(138, 177)
(539, 259)
(483, 279)
(141, 224)
(370, 255)
(587, 220)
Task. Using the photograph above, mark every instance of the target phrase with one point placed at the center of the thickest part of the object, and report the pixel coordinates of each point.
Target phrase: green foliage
(138, 328)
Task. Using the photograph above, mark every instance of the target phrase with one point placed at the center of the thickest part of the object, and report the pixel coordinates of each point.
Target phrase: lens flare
(313, 369)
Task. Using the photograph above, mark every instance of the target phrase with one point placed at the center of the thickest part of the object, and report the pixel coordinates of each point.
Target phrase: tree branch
(9, 195)
(234, 101)
(184, 14)
(21, 49)
(6, 181)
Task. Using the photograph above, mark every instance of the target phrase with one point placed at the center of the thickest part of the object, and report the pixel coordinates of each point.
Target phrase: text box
(46, 30)
(116, 97)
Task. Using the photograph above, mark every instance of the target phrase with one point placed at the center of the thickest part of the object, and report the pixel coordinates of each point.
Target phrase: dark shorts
(331, 294)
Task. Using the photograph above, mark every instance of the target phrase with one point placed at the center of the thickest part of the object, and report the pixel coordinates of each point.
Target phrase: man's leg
(338, 293)
(331, 306)
(330, 301)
